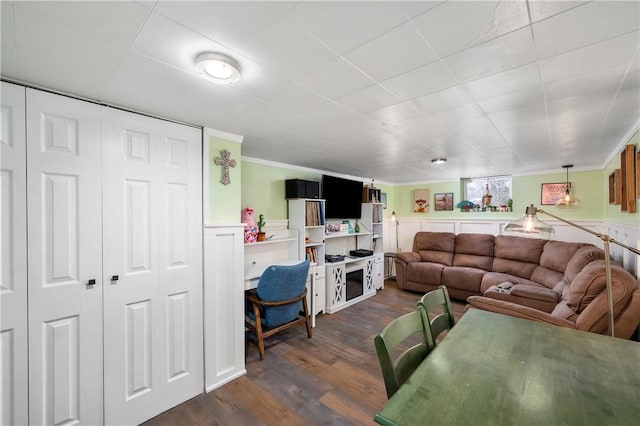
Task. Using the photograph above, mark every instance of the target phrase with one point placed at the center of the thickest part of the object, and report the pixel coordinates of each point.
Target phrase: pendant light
(568, 201)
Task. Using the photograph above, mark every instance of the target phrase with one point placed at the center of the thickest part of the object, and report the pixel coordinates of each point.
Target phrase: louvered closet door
(65, 258)
(13, 287)
(153, 243)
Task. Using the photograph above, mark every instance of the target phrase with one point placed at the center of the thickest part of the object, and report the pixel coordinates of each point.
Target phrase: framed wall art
(443, 201)
(552, 192)
(420, 201)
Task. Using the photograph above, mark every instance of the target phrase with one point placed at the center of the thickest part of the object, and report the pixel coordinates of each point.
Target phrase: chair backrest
(444, 320)
(277, 283)
(396, 372)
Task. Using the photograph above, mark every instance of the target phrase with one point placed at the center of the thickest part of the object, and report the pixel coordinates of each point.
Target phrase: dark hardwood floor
(331, 379)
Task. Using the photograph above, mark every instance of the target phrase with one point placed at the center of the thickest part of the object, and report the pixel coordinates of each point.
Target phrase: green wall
(612, 212)
(224, 200)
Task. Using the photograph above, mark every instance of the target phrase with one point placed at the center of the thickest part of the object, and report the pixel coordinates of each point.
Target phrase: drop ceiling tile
(459, 25)
(290, 95)
(47, 38)
(226, 22)
(343, 26)
(395, 52)
(335, 115)
(443, 100)
(605, 54)
(419, 82)
(585, 25)
(287, 50)
(594, 86)
(522, 99)
(368, 99)
(411, 9)
(542, 9)
(514, 80)
(498, 55)
(335, 79)
(393, 113)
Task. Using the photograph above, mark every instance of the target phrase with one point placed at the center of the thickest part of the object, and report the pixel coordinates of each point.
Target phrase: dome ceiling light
(219, 68)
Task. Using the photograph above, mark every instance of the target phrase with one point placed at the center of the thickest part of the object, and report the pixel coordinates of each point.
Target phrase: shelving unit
(306, 216)
(281, 248)
(372, 220)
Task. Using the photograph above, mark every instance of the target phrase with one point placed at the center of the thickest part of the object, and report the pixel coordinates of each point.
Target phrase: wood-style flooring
(331, 379)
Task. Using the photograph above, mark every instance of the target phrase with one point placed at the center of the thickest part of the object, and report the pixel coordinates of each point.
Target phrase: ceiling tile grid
(371, 89)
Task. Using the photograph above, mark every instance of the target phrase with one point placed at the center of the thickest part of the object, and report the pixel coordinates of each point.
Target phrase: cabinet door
(153, 245)
(13, 287)
(65, 260)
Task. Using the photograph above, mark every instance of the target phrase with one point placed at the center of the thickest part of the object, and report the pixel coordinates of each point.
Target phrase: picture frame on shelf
(420, 200)
(443, 201)
(552, 192)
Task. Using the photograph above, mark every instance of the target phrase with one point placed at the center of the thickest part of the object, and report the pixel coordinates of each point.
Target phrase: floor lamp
(395, 219)
(530, 225)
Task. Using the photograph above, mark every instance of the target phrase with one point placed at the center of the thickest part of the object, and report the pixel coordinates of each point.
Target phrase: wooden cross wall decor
(225, 161)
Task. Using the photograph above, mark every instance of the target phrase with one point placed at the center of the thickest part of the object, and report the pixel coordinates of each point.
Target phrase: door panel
(153, 312)
(65, 260)
(13, 258)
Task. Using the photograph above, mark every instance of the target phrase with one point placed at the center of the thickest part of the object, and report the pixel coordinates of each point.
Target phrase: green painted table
(493, 369)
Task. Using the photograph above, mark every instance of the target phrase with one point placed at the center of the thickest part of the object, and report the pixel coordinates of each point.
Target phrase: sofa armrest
(537, 293)
(408, 257)
(514, 310)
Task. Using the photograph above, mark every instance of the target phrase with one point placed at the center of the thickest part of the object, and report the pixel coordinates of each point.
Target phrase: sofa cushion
(557, 254)
(494, 278)
(425, 272)
(580, 259)
(463, 278)
(526, 250)
(474, 251)
(513, 267)
(536, 297)
(435, 247)
(547, 277)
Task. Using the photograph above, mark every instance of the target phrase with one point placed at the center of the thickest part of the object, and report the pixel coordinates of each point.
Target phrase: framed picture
(383, 199)
(443, 201)
(420, 201)
(552, 192)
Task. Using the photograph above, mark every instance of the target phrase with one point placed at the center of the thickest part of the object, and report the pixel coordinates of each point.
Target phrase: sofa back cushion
(436, 247)
(516, 255)
(474, 251)
(580, 259)
(557, 254)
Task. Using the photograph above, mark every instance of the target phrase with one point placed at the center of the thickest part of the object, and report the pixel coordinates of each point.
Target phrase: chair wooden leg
(259, 338)
(305, 308)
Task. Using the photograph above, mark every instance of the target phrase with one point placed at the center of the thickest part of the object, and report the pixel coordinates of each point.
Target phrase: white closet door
(153, 244)
(65, 258)
(13, 287)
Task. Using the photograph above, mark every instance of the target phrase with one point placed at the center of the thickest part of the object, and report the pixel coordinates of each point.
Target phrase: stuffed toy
(250, 227)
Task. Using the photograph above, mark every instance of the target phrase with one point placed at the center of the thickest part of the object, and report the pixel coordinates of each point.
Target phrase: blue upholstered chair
(277, 302)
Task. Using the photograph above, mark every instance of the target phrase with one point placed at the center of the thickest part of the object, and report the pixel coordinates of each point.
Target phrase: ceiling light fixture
(218, 68)
(568, 201)
(438, 161)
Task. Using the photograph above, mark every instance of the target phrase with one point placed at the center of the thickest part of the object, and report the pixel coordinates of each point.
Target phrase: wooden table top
(493, 369)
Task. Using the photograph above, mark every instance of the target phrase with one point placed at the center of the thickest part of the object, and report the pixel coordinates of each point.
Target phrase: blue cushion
(280, 283)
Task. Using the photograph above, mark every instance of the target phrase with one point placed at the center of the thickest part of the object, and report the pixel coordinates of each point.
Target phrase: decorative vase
(262, 236)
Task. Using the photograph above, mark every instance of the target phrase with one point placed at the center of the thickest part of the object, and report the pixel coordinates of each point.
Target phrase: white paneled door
(152, 265)
(13, 258)
(65, 260)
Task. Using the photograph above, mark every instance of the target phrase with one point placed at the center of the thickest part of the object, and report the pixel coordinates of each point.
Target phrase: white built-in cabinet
(113, 286)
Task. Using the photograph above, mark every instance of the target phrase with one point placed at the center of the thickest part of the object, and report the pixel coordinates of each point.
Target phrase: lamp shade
(568, 201)
(529, 226)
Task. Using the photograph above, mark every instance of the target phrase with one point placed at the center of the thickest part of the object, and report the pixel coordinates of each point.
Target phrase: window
(473, 189)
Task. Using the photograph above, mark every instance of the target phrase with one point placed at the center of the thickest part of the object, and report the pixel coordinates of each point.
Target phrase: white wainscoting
(626, 234)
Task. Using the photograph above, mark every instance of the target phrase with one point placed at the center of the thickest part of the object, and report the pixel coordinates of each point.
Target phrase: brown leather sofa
(553, 281)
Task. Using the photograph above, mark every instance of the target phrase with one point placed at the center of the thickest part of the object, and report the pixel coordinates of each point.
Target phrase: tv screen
(343, 197)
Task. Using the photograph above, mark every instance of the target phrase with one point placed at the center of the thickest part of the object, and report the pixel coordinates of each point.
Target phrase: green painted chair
(442, 321)
(409, 327)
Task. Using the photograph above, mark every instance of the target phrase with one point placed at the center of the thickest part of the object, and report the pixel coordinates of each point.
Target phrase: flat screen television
(343, 197)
